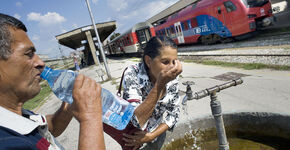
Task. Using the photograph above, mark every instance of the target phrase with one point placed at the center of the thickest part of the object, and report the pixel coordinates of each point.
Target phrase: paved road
(262, 91)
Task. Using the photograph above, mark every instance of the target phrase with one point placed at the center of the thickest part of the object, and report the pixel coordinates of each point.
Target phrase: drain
(229, 76)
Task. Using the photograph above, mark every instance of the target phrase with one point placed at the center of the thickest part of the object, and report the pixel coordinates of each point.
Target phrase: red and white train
(211, 21)
(205, 21)
(132, 41)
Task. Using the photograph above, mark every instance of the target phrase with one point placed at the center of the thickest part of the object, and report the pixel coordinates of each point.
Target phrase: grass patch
(104, 81)
(287, 48)
(247, 66)
(38, 100)
(135, 59)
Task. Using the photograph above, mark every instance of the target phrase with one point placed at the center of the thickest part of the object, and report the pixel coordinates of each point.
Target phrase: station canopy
(73, 39)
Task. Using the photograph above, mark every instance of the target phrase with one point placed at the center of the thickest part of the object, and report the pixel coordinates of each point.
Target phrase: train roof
(137, 26)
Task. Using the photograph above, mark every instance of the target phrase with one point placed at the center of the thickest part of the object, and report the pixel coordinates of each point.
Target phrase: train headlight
(266, 22)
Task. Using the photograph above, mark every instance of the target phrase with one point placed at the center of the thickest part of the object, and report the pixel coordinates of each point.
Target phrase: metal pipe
(216, 110)
(99, 41)
(217, 88)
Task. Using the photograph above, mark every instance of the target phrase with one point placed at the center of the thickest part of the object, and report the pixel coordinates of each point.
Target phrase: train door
(143, 36)
(222, 16)
(179, 33)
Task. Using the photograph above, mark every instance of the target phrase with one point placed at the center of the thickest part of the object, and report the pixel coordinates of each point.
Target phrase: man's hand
(87, 109)
(87, 99)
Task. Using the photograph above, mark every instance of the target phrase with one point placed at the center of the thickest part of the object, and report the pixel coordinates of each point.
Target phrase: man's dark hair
(5, 36)
(155, 45)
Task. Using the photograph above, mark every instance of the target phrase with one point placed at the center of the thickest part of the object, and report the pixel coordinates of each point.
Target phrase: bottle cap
(45, 72)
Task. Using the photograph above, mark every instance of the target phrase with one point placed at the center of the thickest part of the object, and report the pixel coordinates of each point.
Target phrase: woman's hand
(137, 139)
(169, 73)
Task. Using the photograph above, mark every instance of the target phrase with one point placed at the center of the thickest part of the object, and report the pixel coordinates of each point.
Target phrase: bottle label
(115, 118)
(116, 107)
(108, 114)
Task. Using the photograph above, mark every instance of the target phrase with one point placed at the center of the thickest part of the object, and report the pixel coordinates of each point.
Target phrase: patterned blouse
(137, 86)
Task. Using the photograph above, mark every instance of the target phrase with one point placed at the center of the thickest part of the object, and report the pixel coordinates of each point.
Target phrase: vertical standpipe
(216, 110)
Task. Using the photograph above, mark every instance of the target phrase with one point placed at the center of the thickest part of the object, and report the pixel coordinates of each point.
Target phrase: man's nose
(38, 63)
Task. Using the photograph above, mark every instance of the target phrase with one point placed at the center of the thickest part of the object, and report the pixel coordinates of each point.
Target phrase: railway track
(270, 57)
(236, 55)
(258, 40)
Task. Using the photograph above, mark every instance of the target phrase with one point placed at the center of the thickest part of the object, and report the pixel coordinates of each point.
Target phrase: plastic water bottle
(116, 111)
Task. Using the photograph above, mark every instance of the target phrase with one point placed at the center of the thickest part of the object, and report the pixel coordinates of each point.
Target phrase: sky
(45, 19)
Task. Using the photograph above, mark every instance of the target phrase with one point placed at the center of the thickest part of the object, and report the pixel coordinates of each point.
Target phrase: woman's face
(167, 58)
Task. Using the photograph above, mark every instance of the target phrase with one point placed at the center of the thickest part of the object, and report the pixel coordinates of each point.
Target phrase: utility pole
(99, 41)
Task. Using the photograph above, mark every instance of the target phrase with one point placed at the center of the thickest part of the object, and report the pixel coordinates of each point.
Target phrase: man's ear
(147, 61)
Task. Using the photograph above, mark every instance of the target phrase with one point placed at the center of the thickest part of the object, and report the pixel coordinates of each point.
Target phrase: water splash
(185, 108)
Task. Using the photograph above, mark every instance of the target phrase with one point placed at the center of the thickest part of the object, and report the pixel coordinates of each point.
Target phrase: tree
(114, 36)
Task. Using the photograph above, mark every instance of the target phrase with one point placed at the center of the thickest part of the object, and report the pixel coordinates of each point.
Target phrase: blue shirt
(29, 132)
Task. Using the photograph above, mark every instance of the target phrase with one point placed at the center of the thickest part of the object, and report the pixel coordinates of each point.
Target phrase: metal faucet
(188, 92)
(215, 106)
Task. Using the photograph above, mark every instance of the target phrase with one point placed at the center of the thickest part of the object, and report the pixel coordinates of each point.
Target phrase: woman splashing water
(151, 86)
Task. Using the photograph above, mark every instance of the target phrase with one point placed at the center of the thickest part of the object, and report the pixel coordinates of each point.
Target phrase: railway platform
(262, 91)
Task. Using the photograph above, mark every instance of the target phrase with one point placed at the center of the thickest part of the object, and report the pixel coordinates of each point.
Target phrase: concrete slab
(262, 91)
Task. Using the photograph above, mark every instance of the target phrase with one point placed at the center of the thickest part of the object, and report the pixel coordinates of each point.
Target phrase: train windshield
(255, 3)
(143, 36)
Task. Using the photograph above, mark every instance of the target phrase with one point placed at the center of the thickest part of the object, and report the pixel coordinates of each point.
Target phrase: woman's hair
(155, 45)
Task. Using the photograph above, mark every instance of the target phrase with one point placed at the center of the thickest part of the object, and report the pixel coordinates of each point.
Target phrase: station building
(84, 37)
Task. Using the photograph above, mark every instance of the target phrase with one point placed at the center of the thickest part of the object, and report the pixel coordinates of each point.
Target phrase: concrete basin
(245, 130)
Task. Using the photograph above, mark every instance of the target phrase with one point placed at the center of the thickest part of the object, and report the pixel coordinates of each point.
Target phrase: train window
(182, 25)
(230, 6)
(193, 5)
(193, 22)
(185, 25)
(167, 31)
(176, 29)
(189, 24)
(172, 29)
(128, 40)
(180, 31)
(245, 2)
(131, 38)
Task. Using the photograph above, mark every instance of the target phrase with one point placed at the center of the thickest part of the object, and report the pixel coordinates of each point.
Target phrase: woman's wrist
(160, 86)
